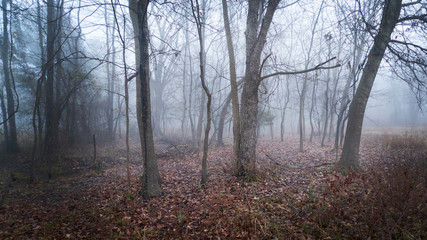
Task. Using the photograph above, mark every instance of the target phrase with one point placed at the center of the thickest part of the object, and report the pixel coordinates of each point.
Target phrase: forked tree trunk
(255, 41)
(350, 153)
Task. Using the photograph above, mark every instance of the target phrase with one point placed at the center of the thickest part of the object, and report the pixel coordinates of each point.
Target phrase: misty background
(89, 69)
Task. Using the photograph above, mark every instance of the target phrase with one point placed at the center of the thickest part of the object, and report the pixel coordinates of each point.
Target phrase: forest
(222, 119)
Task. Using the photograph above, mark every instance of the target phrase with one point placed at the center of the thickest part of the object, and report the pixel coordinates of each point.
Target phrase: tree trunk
(313, 104)
(325, 126)
(200, 21)
(301, 122)
(59, 71)
(49, 89)
(150, 176)
(184, 94)
(200, 120)
(109, 105)
(12, 139)
(255, 41)
(234, 91)
(5, 125)
(221, 122)
(357, 54)
(350, 154)
(282, 120)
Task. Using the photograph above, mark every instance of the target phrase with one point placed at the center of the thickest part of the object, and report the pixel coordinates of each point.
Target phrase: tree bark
(234, 91)
(325, 126)
(200, 25)
(12, 143)
(5, 125)
(59, 70)
(282, 120)
(49, 89)
(350, 154)
(312, 106)
(150, 176)
(110, 102)
(255, 41)
(221, 121)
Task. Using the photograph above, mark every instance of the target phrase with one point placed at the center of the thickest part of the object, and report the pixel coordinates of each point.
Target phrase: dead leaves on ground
(299, 195)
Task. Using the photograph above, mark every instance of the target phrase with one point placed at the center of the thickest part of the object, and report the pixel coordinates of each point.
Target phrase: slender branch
(411, 3)
(422, 18)
(263, 63)
(131, 77)
(409, 44)
(318, 67)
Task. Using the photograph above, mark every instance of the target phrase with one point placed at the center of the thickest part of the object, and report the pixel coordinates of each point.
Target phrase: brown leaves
(298, 195)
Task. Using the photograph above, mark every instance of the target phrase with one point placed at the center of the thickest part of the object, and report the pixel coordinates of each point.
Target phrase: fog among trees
(164, 98)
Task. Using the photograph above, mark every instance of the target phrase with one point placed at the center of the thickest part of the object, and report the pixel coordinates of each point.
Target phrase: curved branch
(318, 67)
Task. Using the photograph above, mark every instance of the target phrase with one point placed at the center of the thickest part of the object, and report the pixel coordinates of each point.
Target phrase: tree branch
(409, 44)
(411, 3)
(422, 18)
(318, 67)
(262, 64)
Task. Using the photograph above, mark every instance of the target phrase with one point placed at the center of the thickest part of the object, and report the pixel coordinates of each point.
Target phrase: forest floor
(295, 195)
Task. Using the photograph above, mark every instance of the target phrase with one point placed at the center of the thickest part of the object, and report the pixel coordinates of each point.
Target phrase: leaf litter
(295, 195)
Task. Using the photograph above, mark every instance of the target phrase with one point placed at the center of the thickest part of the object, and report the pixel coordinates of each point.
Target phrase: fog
(301, 36)
(203, 119)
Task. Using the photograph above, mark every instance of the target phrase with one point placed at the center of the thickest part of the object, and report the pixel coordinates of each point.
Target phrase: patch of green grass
(307, 228)
(21, 230)
(311, 192)
(131, 196)
(121, 223)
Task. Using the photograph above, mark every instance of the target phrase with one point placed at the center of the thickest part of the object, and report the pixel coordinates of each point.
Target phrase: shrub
(387, 200)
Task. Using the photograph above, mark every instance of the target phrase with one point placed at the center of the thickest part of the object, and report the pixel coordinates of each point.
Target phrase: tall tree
(150, 177)
(196, 10)
(234, 91)
(328, 38)
(257, 25)
(12, 140)
(49, 87)
(302, 94)
(110, 78)
(390, 17)
(358, 41)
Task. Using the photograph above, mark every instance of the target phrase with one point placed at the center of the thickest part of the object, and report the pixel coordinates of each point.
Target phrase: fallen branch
(315, 166)
(277, 163)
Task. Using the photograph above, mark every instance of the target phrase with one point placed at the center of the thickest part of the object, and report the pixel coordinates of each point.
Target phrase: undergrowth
(387, 200)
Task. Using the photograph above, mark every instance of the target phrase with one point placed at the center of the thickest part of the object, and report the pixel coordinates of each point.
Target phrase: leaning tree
(413, 56)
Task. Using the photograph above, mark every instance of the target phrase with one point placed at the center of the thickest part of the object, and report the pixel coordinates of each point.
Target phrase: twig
(277, 163)
(315, 166)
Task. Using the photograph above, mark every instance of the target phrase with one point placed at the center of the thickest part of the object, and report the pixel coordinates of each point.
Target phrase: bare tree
(150, 176)
(358, 40)
(257, 25)
(328, 38)
(50, 142)
(196, 10)
(390, 17)
(11, 140)
(234, 91)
